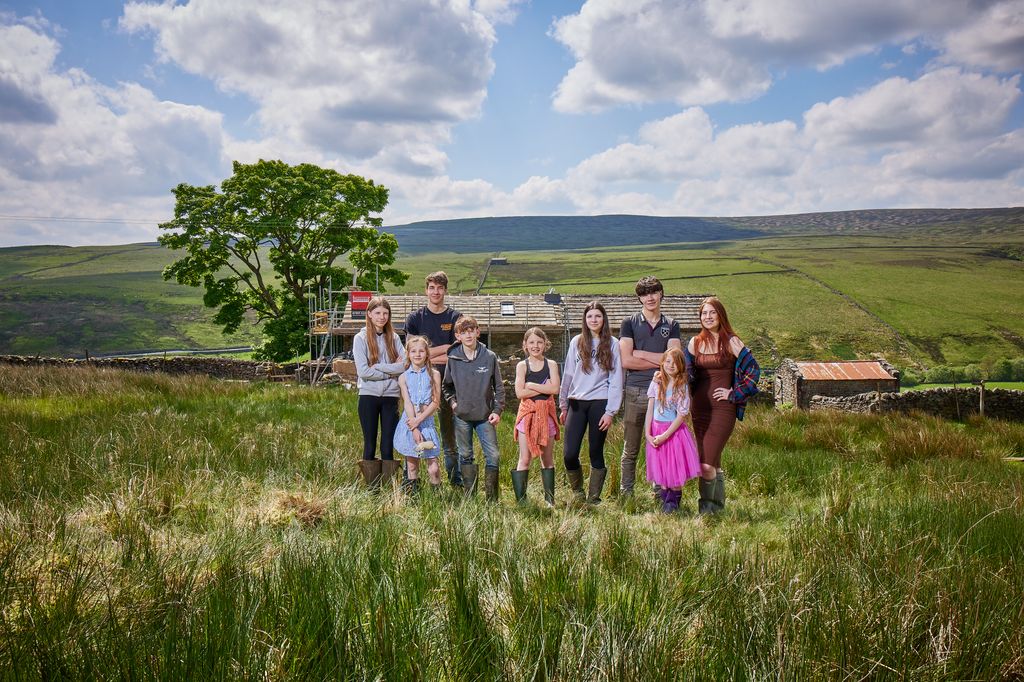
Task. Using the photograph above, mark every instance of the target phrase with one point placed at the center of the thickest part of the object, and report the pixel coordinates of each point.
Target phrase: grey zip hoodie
(474, 385)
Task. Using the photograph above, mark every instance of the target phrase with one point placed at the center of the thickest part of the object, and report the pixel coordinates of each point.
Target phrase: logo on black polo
(664, 332)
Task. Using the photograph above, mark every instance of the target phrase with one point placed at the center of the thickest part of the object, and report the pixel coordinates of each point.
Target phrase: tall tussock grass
(181, 528)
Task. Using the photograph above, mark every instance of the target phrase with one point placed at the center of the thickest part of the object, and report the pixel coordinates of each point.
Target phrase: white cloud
(70, 146)
(941, 106)
(995, 40)
(706, 51)
(936, 141)
(358, 79)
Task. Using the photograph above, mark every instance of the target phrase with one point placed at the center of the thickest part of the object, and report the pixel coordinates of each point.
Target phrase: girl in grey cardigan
(380, 359)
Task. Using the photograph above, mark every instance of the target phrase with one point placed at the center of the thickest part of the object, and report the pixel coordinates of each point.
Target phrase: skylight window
(508, 309)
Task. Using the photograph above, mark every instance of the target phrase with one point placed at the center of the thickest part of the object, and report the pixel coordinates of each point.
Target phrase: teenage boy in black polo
(643, 338)
(436, 321)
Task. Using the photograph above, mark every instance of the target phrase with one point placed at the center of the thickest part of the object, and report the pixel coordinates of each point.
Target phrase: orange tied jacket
(535, 414)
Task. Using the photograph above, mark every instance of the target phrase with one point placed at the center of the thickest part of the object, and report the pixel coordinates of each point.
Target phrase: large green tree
(271, 233)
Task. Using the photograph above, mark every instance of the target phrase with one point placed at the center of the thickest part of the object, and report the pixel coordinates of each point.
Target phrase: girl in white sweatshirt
(590, 395)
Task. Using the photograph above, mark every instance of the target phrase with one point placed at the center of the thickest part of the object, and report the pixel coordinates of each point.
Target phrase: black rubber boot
(576, 483)
(547, 477)
(597, 477)
(491, 484)
(468, 478)
(519, 481)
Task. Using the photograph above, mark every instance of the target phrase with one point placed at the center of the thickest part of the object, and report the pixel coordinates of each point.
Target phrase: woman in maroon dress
(723, 375)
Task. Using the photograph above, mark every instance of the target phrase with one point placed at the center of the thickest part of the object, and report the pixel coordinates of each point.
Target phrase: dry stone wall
(218, 368)
(950, 403)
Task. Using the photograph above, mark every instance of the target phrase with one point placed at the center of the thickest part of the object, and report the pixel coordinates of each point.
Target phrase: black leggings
(584, 416)
(385, 410)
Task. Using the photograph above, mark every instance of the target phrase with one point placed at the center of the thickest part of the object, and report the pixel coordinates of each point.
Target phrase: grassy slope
(942, 291)
(188, 528)
(61, 300)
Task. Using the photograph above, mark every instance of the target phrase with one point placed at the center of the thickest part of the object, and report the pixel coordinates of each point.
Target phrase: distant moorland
(921, 287)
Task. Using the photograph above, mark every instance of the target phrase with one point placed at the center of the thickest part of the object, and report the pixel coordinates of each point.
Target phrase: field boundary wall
(949, 403)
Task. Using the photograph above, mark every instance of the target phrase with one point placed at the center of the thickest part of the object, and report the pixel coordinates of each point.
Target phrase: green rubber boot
(519, 479)
(706, 503)
(547, 477)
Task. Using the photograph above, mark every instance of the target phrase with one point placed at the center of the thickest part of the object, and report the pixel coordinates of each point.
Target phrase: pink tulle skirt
(675, 461)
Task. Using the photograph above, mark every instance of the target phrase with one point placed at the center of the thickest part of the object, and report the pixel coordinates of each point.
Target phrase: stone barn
(797, 381)
(503, 318)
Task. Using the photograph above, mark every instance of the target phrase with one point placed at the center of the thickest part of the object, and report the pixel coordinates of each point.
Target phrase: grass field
(184, 528)
(66, 301)
(941, 292)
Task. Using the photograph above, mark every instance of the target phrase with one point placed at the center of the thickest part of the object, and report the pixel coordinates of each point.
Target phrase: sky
(467, 108)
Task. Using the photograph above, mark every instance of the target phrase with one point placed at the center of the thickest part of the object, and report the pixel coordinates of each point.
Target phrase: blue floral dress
(420, 393)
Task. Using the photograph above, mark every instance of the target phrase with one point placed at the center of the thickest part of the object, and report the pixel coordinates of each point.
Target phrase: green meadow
(180, 528)
(920, 288)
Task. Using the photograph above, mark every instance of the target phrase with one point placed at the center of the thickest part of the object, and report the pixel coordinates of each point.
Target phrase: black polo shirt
(652, 339)
(439, 328)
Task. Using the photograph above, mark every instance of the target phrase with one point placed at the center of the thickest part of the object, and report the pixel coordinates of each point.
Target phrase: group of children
(588, 396)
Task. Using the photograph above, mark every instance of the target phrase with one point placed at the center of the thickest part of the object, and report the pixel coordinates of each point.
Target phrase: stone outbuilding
(796, 382)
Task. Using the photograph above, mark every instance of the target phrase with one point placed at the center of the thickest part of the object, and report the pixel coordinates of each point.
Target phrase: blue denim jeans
(487, 435)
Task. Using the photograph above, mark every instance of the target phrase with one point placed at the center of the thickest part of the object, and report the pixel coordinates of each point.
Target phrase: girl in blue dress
(416, 437)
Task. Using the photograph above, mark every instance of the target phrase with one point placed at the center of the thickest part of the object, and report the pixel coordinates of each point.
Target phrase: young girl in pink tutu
(672, 457)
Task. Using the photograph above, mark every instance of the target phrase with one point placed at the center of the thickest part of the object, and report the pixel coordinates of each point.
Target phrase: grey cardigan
(381, 379)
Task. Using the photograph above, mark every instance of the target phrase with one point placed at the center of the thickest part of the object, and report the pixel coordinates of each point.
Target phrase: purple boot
(672, 499)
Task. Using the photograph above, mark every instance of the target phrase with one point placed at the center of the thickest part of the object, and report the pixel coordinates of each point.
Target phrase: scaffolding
(326, 310)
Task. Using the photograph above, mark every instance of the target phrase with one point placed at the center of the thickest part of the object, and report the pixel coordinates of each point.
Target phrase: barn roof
(516, 312)
(684, 309)
(854, 370)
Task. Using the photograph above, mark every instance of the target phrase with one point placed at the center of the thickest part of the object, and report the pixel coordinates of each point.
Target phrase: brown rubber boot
(388, 468)
(576, 483)
(370, 470)
(597, 477)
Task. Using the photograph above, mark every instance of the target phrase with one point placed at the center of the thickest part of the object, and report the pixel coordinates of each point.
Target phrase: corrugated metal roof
(858, 370)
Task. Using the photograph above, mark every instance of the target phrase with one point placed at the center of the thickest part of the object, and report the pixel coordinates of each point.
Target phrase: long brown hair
(678, 382)
(371, 332)
(604, 343)
(725, 332)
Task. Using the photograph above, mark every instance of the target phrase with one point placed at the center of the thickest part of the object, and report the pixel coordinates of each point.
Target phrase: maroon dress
(713, 420)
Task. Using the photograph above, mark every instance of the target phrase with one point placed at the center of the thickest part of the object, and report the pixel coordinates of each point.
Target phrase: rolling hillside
(919, 286)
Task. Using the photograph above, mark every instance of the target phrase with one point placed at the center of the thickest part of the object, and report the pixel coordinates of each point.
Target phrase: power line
(73, 219)
(149, 221)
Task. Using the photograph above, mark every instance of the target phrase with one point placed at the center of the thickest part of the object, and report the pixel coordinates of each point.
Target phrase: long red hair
(705, 340)
(678, 382)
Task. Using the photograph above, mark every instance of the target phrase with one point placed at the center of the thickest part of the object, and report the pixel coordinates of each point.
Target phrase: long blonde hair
(371, 332)
(678, 382)
(409, 341)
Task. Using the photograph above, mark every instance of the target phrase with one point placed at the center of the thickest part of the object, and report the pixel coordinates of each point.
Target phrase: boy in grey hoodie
(472, 386)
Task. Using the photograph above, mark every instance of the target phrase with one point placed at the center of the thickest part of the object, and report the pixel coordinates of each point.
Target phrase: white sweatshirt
(598, 384)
